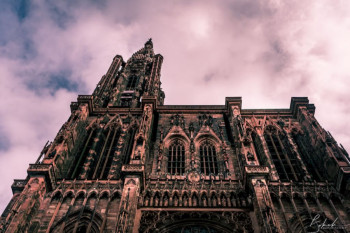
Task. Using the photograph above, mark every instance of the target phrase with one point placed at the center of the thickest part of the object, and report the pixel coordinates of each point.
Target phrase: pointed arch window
(176, 158)
(95, 157)
(79, 221)
(306, 152)
(284, 159)
(131, 82)
(207, 154)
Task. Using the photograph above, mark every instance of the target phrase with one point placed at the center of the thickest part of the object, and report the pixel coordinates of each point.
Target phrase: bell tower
(137, 78)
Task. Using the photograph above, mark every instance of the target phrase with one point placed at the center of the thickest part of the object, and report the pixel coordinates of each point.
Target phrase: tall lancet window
(131, 82)
(207, 154)
(284, 159)
(176, 158)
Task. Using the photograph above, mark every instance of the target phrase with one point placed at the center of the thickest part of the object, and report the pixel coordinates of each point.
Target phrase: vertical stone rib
(319, 205)
(54, 215)
(278, 156)
(284, 214)
(286, 157)
(92, 216)
(108, 154)
(101, 155)
(311, 161)
(66, 215)
(91, 156)
(81, 155)
(336, 212)
(104, 220)
(124, 148)
(76, 225)
(274, 173)
(307, 207)
(294, 147)
(298, 215)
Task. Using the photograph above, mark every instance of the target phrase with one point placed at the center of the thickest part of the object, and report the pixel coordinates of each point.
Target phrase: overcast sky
(265, 51)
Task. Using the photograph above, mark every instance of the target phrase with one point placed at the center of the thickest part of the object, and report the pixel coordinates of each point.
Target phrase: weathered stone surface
(125, 162)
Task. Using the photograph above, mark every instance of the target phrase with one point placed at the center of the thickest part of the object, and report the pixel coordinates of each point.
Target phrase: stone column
(265, 210)
(126, 218)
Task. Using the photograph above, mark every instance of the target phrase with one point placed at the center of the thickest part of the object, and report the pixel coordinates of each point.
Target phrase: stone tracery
(123, 161)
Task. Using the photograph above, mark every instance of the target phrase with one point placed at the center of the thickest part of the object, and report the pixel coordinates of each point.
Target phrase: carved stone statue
(204, 201)
(165, 201)
(223, 201)
(176, 201)
(137, 155)
(250, 156)
(191, 129)
(160, 157)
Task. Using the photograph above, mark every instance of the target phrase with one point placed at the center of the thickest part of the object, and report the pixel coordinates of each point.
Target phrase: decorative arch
(56, 195)
(116, 193)
(114, 203)
(79, 199)
(208, 136)
(176, 146)
(81, 218)
(204, 222)
(176, 132)
(80, 193)
(91, 200)
(147, 199)
(92, 192)
(69, 192)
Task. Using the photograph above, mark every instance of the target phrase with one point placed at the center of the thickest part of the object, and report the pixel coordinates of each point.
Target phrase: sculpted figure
(204, 201)
(166, 201)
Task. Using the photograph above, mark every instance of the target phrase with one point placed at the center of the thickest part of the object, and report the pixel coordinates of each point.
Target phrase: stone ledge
(257, 170)
(45, 170)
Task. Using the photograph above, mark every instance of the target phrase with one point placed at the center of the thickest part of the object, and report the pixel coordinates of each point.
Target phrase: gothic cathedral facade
(124, 162)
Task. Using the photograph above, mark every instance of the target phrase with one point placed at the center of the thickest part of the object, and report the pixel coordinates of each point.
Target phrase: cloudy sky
(265, 51)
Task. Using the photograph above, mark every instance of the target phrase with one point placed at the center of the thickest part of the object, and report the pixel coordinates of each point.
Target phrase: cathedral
(124, 162)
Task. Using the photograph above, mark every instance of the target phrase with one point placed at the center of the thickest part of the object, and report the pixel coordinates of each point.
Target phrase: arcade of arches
(125, 162)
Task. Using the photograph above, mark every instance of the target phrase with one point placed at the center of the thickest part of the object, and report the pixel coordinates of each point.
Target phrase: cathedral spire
(139, 77)
(149, 42)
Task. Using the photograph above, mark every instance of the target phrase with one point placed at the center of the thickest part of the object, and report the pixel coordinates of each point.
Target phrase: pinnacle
(149, 42)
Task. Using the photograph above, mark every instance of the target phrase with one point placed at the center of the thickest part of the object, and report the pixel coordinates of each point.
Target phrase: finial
(149, 42)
